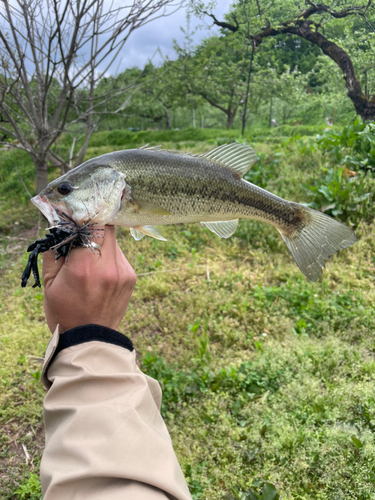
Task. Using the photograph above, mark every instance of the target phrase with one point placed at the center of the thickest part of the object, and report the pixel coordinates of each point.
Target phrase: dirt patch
(20, 453)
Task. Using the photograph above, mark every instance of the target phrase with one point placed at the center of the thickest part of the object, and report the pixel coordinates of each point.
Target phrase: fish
(147, 187)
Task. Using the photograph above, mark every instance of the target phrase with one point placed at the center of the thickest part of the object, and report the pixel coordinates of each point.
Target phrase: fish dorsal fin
(223, 229)
(170, 151)
(147, 146)
(139, 231)
(238, 157)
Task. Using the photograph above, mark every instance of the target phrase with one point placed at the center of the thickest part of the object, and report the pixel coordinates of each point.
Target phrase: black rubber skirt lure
(62, 237)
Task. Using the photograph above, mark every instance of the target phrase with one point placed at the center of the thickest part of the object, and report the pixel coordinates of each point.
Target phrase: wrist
(81, 335)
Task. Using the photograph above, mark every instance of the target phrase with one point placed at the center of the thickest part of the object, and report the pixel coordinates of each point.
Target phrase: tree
(320, 25)
(217, 70)
(161, 92)
(53, 53)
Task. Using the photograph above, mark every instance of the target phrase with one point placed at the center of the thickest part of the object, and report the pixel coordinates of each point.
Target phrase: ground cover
(267, 378)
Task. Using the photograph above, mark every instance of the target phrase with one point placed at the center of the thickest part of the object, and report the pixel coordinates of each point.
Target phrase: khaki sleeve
(105, 437)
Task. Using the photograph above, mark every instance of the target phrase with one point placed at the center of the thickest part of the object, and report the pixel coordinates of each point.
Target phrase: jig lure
(62, 237)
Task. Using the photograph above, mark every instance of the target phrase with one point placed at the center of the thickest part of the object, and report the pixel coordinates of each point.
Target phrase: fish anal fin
(145, 207)
(238, 157)
(146, 230)
(137, 235)
(223, 229)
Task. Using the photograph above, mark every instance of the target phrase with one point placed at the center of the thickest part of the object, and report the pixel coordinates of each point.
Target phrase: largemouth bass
(141, 188)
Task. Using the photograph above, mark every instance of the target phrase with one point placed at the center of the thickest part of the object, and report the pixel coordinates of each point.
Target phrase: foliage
(216, 72)
(246, 380)
(347, 30)
(31, 489)
(353, 146)
(345, 189)
(267, 378)
(342, 197)
(268, 492)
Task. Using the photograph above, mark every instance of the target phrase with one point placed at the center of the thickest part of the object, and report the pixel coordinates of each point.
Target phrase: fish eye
(64, 188)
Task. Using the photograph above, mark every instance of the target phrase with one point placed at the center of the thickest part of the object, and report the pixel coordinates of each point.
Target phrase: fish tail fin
(320, 237)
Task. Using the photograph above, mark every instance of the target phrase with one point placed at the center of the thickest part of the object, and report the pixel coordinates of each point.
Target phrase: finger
(105, 237)
(125, 267)
(51, 266)
(122, 261)
(108, 246)
(98, 235)
(88, 259)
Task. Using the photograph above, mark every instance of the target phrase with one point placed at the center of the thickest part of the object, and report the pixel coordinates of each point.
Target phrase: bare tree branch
(53, 54)
(302, 26)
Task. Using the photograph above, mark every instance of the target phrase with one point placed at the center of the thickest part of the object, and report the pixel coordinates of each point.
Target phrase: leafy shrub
(268, 492)
(123, 138)
(342, 197)
(31, 489)
(179, 386)
(347, 150)
(314, 313)
(265, 169)
(353, 146)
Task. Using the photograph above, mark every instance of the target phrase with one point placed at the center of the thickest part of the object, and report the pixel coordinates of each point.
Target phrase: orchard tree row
(270, 63)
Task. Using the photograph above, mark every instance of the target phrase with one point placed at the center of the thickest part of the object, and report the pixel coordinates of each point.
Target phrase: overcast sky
(143, 42)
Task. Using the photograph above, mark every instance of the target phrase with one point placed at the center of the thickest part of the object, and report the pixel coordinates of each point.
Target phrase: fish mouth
(47, 209)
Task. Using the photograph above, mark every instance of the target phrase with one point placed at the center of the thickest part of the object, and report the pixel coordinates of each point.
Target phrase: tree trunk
(64, 168)
(167, 121)
(41, 175)
(364, 107)
(230, 118)
(304, 28)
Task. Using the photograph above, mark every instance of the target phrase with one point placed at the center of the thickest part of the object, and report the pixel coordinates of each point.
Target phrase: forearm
(105, 438)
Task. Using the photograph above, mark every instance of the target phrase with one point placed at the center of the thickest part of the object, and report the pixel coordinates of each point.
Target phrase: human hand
(88, 288)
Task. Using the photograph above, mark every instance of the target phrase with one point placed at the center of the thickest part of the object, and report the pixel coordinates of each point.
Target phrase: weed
(342, 197)
(179, 387)
(353, 146)
(30, 489)
(264, 170)
(266, 492)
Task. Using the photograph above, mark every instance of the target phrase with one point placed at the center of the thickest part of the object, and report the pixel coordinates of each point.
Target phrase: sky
(144, 42)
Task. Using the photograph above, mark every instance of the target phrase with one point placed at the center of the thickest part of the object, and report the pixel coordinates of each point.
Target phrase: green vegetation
(267, 378)
(284, 65)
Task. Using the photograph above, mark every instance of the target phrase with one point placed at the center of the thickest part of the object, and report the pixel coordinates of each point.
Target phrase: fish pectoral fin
(139, 231)
(144, 207)
(137, 235)
(238, 157)
(223, 229)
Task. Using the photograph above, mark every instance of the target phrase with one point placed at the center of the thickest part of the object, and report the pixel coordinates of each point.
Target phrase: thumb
(51, 267)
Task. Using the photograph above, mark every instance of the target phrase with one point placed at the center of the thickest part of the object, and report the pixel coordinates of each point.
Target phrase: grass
(267, 378)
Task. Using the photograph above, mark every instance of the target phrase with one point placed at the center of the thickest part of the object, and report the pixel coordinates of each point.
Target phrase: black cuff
(90, 333)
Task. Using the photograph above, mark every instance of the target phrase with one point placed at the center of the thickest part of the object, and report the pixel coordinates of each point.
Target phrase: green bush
(273, 135)
(179, 386)
(31, 489)
(265, 169)
(267, 492)
(353, 146)
(349, 199)
(124, 138)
